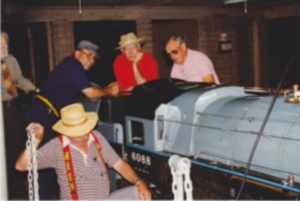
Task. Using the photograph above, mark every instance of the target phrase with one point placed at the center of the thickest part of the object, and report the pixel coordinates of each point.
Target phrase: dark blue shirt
(62, 87)
(65, 83)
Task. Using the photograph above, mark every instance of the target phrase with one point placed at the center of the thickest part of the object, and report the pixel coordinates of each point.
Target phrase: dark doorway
(166, 28)
(106, 34)
(245, 59)
(284, 43)
(28, 43)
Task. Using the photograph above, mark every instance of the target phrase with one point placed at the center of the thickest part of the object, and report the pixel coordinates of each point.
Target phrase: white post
(3, 178)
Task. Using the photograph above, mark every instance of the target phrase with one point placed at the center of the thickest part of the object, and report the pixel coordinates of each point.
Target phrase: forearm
(137, 75)
(95, 92)
(208, 78)
(25, 84)
(22, 161)
(128, 89)
(126, 171)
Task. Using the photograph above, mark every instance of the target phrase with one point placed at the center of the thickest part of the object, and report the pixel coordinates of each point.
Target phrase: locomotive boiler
(216, 127)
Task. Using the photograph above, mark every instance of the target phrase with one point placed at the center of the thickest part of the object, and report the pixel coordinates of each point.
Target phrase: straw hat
(128, 39)
(75, 121)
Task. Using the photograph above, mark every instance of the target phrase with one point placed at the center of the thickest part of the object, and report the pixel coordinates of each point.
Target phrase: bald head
(4, 44)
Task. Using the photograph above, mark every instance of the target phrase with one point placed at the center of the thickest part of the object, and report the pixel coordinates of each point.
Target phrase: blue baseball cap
(93, 48)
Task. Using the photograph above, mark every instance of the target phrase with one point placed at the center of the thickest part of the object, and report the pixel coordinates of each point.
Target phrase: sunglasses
(89, 55)
(173, 52)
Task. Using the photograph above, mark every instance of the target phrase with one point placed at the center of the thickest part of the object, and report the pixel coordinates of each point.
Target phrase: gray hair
(178, 39)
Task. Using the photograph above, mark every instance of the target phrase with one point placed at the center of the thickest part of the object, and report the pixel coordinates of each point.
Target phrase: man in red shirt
(133, 67)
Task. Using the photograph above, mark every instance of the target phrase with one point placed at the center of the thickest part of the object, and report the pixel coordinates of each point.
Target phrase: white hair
(5, 36)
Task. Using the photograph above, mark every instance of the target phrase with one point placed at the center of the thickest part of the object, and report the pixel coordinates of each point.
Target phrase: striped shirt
(90, 173)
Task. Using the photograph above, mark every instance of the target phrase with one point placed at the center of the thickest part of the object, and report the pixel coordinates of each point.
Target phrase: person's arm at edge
(22, 82)
(21, 163)
(137, 74)
(98, 92)
(208, 78)
(95, 92)
(128, 173)
(129, 89)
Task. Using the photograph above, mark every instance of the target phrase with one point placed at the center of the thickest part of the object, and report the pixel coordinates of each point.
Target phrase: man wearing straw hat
(133, 67)
(64, 85)
(79, 155)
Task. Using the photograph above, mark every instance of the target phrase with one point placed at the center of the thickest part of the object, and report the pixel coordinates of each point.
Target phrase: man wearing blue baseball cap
(85, 44)
(64, 86)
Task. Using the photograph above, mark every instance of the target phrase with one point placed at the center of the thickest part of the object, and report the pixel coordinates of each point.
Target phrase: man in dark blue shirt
(65, 84)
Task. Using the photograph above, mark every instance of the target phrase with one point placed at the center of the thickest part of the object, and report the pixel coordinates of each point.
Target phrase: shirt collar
(67, 142)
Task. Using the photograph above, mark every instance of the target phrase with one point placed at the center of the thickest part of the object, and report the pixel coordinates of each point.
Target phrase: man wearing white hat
(79, 155)
(133, 67)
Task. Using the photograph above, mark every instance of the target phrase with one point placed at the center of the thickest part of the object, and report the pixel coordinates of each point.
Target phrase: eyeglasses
(173, 52)
(88, 55)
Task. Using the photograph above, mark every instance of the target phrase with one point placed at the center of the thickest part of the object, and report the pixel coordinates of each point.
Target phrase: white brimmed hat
(128, 39)
(75, 121)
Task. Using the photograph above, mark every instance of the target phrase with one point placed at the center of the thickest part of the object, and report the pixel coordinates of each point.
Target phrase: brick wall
(144, 29)
(211, 23)
(210, 26)
(63, 39)
(210, 29)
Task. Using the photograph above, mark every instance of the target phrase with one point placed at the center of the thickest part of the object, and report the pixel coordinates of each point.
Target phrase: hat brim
(79, 130)
(131, 42)
(95, 53)
(92, 51)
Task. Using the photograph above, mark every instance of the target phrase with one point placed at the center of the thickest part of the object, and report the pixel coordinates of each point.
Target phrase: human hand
(143, 191)
(139, 56)
(113, 88)
(37, 90)
(36, 129)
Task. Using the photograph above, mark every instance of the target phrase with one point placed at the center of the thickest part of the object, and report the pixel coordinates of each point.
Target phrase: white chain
(174, 184)
(32, 166)
(188, 186)
(177, 184)
(180, 170)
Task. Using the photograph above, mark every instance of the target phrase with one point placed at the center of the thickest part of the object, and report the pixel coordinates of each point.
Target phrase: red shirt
(123, 69)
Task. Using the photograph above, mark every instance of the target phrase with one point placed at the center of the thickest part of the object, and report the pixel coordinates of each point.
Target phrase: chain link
(32, 166)
(180, 170)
